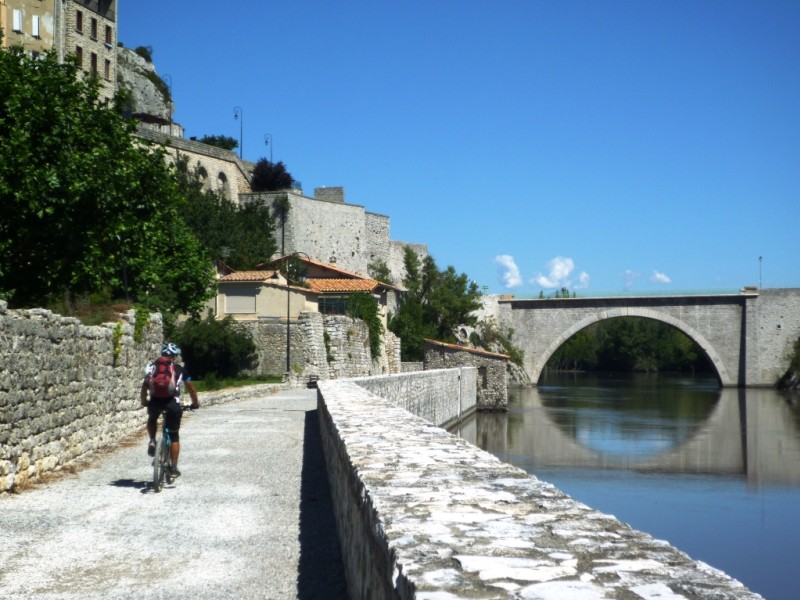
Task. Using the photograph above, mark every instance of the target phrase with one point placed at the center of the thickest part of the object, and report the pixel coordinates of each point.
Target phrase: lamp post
(167, 79)
(268, 142)
(287, 266)
(238, 114)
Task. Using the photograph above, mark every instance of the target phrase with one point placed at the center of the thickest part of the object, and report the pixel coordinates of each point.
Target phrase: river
(715, 472)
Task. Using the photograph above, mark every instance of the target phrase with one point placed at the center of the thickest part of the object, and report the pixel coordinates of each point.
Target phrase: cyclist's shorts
(173, 416)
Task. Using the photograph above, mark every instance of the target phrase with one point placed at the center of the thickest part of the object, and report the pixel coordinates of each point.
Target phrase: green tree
(240, 236)
(379, 271)
(84, 206)
(215, 346)
(271, 177)
(434, 305)
(220, 141)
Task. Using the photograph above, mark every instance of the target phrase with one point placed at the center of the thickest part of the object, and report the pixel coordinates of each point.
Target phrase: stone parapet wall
(492, 379)
(66, 389)
(321, 346)
(424, 514)
(442, 396)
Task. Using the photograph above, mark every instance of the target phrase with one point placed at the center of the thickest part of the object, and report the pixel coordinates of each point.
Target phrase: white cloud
(559, 271)
(583, 281)
(658, 277)
(508, 271)
(628, 277)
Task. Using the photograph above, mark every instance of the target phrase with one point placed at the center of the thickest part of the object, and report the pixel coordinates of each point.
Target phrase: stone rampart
(424, 514)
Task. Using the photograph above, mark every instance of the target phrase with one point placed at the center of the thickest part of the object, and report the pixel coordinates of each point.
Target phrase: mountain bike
(162, 461)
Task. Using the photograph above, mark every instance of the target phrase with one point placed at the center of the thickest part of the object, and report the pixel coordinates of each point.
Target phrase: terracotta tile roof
(318, 263)
(341, 285)
(480, 351)
(248, 276)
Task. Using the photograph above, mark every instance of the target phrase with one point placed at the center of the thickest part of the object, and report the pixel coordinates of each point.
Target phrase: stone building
(492, 379)
(86, 29)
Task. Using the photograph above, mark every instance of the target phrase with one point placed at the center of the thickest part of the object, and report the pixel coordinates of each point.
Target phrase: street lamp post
(238, 114)
(287, 265)
(268, 142)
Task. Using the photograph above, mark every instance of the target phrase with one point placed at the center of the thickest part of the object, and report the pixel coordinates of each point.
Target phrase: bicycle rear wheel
(160, 464)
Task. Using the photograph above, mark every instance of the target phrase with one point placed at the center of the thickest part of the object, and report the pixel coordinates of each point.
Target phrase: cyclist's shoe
(175, 472)
(151, 448)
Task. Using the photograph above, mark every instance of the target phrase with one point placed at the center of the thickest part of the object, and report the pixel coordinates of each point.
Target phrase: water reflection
(715, 472)
(646, 423)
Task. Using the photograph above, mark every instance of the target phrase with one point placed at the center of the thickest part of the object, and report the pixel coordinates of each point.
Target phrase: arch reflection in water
(645, 423)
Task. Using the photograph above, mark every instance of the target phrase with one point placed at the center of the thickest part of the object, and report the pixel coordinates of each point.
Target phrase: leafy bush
(364, 306)
(215, 346)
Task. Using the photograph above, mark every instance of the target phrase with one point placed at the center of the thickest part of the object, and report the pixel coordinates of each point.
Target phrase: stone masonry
(66, 389)
(423, 514)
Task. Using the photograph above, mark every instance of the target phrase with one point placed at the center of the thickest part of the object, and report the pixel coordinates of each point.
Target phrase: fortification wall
(424, 514)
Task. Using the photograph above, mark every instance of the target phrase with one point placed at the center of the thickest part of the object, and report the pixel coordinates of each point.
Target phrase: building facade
(86, 29)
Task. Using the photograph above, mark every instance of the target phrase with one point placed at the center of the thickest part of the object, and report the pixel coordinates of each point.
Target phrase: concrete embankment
(423, 514)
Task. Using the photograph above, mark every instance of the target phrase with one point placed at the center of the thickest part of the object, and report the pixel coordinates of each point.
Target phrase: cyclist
(171, 404)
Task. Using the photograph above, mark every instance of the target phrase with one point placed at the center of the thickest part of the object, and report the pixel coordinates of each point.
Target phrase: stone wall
(322, 346)
(66, 389)
(328, 230)
(492, 379)
(423, 514)
(442, 396)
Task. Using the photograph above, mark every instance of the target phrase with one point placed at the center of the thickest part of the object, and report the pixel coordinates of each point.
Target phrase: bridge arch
(648, 313)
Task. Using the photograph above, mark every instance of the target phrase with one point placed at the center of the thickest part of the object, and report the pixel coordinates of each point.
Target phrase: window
(109, 36)
(94, 64)
(17, 25)
(240, 301)
(93, 34)
(79, 21)
(35, 30)
(333, 305)
(79, 56)
(108, 70)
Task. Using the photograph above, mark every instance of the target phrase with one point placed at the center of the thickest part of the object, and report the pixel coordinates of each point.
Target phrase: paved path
(249, 519)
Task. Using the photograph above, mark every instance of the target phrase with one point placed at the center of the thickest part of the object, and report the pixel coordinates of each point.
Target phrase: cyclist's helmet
(170, 349)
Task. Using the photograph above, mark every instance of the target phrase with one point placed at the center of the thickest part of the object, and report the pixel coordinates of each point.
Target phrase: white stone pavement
(245, 520)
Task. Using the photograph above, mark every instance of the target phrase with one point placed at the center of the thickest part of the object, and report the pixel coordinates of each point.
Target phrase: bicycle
(162, 461)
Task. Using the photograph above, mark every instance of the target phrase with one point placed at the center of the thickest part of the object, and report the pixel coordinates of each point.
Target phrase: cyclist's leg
(173, 416)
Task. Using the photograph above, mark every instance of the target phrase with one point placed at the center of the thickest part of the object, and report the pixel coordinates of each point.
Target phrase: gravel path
(249, 518)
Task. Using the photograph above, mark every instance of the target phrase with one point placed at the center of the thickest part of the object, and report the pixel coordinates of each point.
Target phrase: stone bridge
(748, 336)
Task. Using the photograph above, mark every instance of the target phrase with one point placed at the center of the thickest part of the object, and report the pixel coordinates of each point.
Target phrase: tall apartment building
(84, 28)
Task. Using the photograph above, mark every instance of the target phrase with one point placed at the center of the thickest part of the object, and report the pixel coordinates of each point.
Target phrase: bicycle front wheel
(160, 463)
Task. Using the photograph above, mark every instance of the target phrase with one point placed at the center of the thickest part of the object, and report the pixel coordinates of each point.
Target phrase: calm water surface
(714, 472)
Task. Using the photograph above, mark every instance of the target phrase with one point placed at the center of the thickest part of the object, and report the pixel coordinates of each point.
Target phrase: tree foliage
(435, 304)
(215, 346)
(630, 344)
(271, 177)
(242, 237)
(220, 141)
(84, 206)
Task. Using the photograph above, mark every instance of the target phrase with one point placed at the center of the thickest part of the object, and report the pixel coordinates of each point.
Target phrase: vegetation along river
(715, 472)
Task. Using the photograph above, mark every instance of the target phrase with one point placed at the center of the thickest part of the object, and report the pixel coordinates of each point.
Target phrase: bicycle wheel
(159, 465)
(167, 466)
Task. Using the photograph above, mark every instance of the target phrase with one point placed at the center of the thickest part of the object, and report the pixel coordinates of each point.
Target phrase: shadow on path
(320, 572)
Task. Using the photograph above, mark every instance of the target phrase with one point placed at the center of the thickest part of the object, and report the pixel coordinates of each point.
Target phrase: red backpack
(163, 381)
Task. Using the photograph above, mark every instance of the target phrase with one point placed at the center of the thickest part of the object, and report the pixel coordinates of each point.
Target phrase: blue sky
(605, 146)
